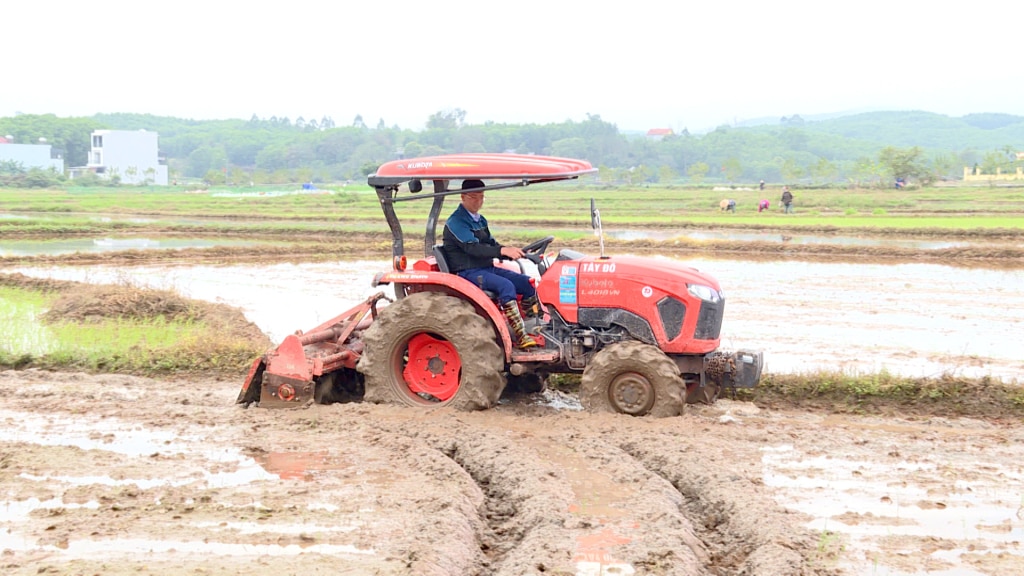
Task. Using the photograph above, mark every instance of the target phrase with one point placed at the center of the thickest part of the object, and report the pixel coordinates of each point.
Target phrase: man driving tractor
(471, 250)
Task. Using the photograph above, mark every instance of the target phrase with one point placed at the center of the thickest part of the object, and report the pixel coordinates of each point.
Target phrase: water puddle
(270, 193)
(113, 435)
(798, 238)
(301, 465)
(211, 468)
(879, 507)
(99, 549)
(593, 554)
(93, 245)
(19, 510)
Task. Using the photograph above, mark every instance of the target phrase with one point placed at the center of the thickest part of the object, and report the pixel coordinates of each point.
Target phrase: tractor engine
(658, 302)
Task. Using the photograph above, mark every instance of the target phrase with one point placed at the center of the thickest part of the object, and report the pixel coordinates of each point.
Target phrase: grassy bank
(69, 326)
(891, 395)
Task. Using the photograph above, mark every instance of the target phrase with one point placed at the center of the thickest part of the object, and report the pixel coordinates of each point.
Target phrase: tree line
(870, 149)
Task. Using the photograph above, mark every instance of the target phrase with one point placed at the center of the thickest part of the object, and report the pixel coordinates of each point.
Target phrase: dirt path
(125, 475)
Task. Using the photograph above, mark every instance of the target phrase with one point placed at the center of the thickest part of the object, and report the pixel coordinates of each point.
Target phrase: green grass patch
(22, 333)
(122, 329)
(939, 208)
(889, 394)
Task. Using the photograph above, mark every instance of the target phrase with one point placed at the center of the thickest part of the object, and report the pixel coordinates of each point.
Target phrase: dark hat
(470, 184)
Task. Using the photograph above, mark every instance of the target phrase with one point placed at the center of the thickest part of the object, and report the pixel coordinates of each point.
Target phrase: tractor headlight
(705, 293)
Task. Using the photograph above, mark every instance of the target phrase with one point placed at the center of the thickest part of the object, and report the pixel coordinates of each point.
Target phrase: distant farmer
(787, 200)
(762, 205)
(761, 185)
(727, 205)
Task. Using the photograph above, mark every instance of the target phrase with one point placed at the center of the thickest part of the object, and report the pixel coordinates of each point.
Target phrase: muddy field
(123, 475)
(113, 474)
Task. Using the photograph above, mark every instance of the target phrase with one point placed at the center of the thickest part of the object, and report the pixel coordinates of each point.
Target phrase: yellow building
(975, 175)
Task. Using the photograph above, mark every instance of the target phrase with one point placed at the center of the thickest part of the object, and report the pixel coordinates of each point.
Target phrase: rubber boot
(512, 313)
(531, 307)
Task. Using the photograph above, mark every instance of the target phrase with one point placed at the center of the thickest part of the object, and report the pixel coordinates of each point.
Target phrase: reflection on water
(300, 465)
(910, 319)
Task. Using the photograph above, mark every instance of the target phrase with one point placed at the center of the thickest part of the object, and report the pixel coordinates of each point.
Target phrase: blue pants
(505, 283)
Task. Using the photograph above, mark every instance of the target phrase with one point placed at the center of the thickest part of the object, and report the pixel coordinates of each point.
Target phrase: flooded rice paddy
(801, 238)
(106, 244)
(907, 319)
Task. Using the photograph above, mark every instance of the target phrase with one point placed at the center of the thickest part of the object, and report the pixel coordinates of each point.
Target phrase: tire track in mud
(568, 499)
(442, 537)
(515, 490)
(521, 509)
(750, 536)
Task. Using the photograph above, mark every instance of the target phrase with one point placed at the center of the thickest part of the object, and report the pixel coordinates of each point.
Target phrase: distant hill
(780, 120)
(795, 148)
(927, 130)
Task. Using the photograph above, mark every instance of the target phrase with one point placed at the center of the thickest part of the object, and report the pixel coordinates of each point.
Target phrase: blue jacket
(467, 243)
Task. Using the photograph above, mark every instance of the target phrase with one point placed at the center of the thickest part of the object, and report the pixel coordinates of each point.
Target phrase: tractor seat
(441, 257)
(442, 264)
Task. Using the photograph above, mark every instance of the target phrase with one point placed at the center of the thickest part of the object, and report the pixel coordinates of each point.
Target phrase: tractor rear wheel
(432, 349)
(632, 378)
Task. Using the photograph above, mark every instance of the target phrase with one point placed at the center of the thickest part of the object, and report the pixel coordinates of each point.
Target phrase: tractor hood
(631, 277)
(682, 305)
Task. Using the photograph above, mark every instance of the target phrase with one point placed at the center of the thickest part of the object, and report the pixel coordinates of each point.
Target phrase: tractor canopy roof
(513, 169)
(524, 167)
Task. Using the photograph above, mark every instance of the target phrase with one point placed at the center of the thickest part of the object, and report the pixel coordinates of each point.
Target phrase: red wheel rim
(433, 367)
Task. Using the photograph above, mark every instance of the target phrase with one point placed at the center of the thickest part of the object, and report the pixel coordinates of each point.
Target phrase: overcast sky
(638, 64)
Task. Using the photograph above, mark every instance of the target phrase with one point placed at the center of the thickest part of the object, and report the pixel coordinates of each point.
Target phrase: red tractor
(644, 333)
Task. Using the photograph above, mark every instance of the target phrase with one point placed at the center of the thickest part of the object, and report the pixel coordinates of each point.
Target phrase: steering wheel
(538, 247)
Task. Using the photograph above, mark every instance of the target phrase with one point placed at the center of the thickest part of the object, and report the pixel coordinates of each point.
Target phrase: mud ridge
(669, 543)
(455, 519)
(523, 527)
(366, 246)
(750, 537)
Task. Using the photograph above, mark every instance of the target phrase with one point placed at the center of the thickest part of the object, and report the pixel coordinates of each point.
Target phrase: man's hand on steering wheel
(512, 253)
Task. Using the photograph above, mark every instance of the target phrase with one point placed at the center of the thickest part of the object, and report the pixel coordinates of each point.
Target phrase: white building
(31, 155)
(131, 154)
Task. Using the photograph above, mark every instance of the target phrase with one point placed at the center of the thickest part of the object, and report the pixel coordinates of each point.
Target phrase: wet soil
(113, 474)
(118, 474)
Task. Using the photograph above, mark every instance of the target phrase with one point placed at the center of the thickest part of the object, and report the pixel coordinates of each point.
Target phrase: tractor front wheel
(432, 349)
(632, 378)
